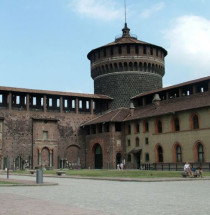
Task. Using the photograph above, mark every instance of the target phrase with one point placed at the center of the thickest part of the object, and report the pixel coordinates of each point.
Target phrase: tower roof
(126, 38)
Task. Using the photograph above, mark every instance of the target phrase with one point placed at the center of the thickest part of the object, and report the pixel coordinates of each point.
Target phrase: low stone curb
(24, 183)
(132, 179)
(29, 185)
(123, 179)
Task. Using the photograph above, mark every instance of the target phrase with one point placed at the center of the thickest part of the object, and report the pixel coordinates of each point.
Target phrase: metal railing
(121, 36)
(175, 166)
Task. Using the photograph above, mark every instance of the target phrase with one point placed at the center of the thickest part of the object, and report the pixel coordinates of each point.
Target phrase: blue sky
(44, 43)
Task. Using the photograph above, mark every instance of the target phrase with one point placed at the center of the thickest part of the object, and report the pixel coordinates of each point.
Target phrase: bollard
(39, 176)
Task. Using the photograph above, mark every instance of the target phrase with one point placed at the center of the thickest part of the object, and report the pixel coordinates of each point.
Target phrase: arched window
(146, 126)
(129, 129)
(195, 122)
(153, 68)
(137, 128)
(111, 67)
(115, 67)
(156, 68)
(200, 153)
(178, 154)
(135, 66)
(120, 67)
(149, 67)
(130, 66)
(137, 142)
(125, 66)
(140, 66)
(160, 154)
(145, 67)
(107, 68)
(159, 128)
(119, 49)
(175, 124)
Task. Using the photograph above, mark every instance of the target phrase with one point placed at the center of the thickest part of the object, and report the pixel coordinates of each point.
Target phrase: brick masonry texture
(20, 130)
(122, 86)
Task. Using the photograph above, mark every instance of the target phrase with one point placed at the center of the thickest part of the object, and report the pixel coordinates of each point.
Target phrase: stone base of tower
(124, 85)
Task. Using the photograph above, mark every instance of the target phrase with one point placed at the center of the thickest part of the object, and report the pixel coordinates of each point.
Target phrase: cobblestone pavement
(92, 197)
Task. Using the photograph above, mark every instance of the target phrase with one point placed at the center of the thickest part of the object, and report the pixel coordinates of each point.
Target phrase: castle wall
(23, 136)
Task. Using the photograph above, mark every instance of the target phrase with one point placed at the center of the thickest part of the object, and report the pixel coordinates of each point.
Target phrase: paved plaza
(93, 197)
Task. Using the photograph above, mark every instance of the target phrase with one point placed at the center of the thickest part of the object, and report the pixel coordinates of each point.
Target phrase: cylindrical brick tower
(126, 67)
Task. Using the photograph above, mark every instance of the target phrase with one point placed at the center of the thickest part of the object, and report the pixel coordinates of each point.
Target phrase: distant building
(129, 119)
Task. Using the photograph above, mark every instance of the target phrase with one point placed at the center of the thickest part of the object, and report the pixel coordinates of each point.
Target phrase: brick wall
(21, 128)
(122, 86)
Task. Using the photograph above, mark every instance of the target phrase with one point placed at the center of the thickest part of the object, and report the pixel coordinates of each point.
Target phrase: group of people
(191, 171)
(120, 166)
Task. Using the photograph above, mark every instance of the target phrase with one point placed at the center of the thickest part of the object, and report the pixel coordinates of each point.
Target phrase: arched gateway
(98, 156)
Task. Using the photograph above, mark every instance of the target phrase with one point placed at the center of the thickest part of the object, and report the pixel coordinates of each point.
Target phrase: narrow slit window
(87, 105)
(34, 100)
(136, 49)
(128, 49)
(144, 49)
(151, 50)
(120, 49)
(111, 51)
(73, 103)
(18, 100)
(50, 102)
(58, 102)
(65, 103)
(80, 104)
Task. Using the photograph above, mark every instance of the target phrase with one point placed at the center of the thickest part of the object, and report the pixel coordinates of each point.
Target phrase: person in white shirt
(187, 168)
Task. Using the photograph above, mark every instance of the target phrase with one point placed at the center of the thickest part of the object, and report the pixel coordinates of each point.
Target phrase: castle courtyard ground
(100, 197)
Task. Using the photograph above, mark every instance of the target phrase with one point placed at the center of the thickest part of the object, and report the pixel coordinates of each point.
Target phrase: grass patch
(21, 172)
(7, 182)
(116, 173)
(120, 174)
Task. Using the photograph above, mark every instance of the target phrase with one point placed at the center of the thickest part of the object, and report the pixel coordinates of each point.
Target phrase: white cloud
(105, 10)
(149, 12)
(189, 43)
